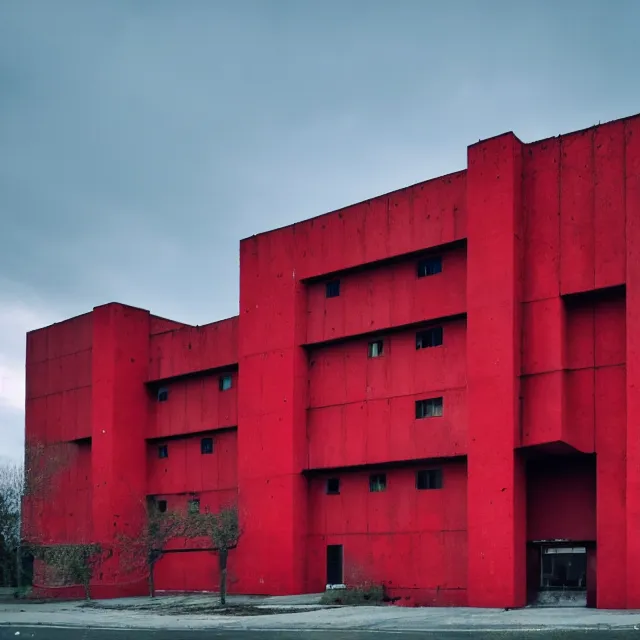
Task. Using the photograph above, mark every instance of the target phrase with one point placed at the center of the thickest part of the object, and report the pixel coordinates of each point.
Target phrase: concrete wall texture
(538, 372)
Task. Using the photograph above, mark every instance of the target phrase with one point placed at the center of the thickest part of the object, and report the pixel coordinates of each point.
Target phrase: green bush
(363, 595)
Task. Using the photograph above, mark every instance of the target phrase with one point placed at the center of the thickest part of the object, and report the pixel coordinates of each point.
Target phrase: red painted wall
(362, 410)
(390, 296)
(561, 499)
(414, 542)
(59, 381)
(538, 300)
(195, 404)
(185, 350)
(187, 470)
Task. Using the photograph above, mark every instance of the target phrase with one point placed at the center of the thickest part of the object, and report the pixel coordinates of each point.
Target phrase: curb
(234, 628)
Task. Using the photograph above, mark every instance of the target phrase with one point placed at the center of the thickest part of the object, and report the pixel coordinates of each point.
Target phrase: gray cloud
(139, 141)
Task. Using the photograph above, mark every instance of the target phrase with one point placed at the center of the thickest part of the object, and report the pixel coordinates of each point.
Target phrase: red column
(496, 476)
(272, 492)
(632, 182)
(120, 361)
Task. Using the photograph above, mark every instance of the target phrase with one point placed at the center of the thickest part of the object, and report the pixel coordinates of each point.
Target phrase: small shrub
(362, 595)
(22, 593)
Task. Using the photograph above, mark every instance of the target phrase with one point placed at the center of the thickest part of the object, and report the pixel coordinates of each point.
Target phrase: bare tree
(143, 551)
(37, 484)
(223, 530)
(11, 489)
(42, 463)
(71, 564)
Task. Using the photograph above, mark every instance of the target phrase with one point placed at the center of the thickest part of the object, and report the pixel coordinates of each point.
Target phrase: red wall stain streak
(538, 371)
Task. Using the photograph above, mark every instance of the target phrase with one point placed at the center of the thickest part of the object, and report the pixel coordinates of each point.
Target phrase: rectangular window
(163, 394)
(429, 267)
(376, 348)
(162, 506)
(225, 383)
(163, 451)
(429, 338)
(333, 289)
(206, 445)
(563, 568)
(431, 408)
(378, 482)
(333, 486)
(429, 479)
(194, 506)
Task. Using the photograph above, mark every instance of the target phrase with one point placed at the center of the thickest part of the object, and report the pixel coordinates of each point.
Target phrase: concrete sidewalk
(128, 614)
(396, 619)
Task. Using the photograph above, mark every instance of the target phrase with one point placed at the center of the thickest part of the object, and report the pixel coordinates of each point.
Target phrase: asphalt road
(48, 633)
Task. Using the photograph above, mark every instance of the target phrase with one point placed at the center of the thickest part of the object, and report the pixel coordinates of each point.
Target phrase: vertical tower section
(272, 491)
(496, 477)
(632, 201)
(119, 407)
(57, 505)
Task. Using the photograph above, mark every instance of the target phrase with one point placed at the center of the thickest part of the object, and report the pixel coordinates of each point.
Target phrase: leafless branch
(223, 530)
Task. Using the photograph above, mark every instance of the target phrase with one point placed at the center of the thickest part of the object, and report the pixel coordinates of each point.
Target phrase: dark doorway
(334, 564)
(561, 572)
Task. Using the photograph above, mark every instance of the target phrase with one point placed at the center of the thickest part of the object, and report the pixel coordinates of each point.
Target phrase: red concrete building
(437, 389)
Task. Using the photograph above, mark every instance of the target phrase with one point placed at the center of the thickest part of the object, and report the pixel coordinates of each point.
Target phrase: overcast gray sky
(141, 140)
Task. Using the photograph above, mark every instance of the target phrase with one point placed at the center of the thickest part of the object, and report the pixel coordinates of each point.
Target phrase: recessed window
(378, 482)
(162, 506)
(333, 486)
(206, 445)
(429, 267)
(431, 408)
(163, 451)
(225, 383)
(429, 479)
(194, 506)
(429, 338)
(333, 289)
(376, 348)
(163, 394)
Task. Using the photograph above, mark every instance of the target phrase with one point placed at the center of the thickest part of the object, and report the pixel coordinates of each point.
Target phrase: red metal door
(533, 573)
(592, 588)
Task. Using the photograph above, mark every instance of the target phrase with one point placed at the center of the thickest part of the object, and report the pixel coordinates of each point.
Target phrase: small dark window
(163, 394)
(194, 506)
(225, 383)
(429, 338)
(378, 482)
(162, 506)
(429, 267)
(431, 408)
(333, 289)
(163, 451)
(429, 479)
(333, 486)
(376, 348)
(206, 445)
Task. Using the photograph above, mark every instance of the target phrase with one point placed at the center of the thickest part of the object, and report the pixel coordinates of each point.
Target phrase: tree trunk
(222, 559)
(19, 567)
(87, 591)
(152, 581)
